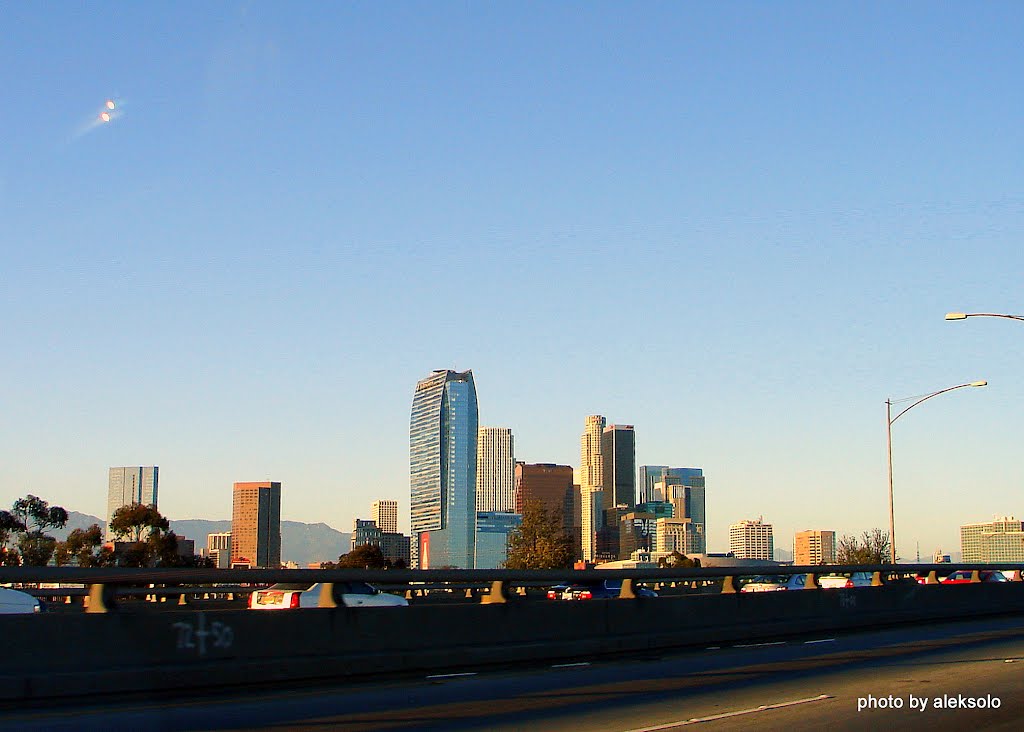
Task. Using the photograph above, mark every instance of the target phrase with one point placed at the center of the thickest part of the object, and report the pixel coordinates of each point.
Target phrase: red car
(963, 576)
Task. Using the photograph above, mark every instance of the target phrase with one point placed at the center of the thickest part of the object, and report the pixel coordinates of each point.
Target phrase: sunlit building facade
(385, 515)
(678, 535)
(814, 547)
(752, 540)
(999, 540)
(591, 485)
(495, 470)
(256, 524)
(442, 469)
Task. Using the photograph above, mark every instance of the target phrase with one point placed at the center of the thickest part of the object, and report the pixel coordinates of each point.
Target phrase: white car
(765, 583)
(287, 595)
(14, 602)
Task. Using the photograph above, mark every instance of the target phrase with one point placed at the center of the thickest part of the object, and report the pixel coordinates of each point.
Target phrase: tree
(37, 515)
(30, 517)
(9, 525)
(149, 543)
(540, 541)
(872, 548)
(80, 548)
(128, 522)
(675, 560)
(365, 556)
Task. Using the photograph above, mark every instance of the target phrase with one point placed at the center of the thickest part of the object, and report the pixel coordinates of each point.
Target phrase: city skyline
(737, 228)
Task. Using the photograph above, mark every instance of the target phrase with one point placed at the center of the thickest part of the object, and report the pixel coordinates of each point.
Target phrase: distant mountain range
(300, 542)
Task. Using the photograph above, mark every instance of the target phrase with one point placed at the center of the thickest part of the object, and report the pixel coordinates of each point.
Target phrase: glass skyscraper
(492, 533)
(442, 469)
(684, 488)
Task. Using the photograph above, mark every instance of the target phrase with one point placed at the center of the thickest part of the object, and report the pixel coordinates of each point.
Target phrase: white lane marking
(570, 665)
(823, 640)
(452, 676)
(758, 645)
(726, 715)
(713, 648)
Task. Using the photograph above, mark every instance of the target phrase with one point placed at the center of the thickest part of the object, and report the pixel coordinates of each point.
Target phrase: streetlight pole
(889, 420)
(964, 316)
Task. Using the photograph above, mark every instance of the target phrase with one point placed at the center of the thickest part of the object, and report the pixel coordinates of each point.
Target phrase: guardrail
(181, 649)
(104, 585)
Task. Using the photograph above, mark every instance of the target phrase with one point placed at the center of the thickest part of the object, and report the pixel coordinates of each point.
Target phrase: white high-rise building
(752, 540)
(385, 515)
(495, 470)
(591, 484)
(131, 485)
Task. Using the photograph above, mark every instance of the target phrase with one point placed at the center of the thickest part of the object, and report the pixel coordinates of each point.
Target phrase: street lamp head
(955, 316)
(979, 383)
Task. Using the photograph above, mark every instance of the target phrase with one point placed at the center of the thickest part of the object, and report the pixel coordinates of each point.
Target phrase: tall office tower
(752, 540)
(814, 547)
(618, 454)
(999, 540)
(591, 484)
(385, 515)
(442, 469)
(495, 468)
(256, 524)
(130, 485)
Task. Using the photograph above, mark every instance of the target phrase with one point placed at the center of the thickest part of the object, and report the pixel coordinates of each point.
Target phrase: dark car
(602, 591)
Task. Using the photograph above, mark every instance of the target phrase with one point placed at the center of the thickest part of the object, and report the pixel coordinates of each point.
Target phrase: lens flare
(105, 116)
(110, 104)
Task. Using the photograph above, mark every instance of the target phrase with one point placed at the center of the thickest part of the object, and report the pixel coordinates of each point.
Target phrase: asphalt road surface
(974, 671)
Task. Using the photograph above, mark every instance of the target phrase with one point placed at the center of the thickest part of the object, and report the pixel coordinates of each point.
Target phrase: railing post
(327, 598)
(975, 576)
(811, 582)
(876, 579)
(728, 585)
(626, 590)
(932, 578)
(496, 596)
(100, 599)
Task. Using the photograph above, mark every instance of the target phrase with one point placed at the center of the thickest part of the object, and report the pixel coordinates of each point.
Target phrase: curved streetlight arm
(962, 316)
(888, 427)
(935, 394)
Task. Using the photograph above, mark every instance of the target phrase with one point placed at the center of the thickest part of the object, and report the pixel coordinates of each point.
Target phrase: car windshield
(291, 586)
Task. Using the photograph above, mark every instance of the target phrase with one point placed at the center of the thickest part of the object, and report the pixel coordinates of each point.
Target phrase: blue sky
(736, 228)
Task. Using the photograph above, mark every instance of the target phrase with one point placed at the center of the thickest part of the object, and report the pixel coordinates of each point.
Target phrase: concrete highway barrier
(54, 655)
